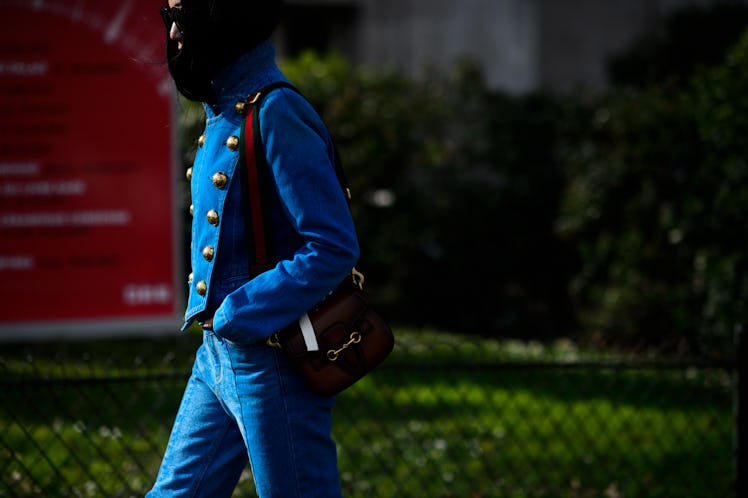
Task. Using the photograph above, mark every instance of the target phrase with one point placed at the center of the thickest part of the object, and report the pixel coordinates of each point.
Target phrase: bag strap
(252, 157)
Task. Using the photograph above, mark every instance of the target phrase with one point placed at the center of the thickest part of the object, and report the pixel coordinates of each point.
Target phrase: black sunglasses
(173, 15)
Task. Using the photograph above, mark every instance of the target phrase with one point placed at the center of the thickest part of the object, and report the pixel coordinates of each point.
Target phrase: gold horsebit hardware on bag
(333, 354)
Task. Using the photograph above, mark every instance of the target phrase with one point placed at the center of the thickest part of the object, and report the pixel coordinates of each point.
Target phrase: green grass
(429, 423)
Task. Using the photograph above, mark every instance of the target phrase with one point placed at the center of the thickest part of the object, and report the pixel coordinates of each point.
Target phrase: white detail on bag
(307, 330)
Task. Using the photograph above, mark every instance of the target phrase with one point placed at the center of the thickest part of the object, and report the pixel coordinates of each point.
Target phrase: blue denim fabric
(245, 402)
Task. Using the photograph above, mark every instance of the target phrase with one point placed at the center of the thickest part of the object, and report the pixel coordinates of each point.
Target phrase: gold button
(239, 107)
(212, 217)
(220, 179)
(190, 277)
(232, 143)
(189, 174)
(208, 253)
(192, 210)
(201, 141)
(201, 287)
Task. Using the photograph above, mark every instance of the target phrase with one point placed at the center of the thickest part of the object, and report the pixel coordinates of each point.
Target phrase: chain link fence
(444, 416)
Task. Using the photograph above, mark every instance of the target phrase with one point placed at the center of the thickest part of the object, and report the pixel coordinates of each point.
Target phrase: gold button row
(220, 180)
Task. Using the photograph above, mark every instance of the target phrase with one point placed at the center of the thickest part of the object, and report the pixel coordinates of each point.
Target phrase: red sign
(87, 186)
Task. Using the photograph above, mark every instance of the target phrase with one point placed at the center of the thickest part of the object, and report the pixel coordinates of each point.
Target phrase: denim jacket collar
(247, 74)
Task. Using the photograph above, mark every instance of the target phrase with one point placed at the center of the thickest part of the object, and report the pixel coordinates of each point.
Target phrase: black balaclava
(216, 33)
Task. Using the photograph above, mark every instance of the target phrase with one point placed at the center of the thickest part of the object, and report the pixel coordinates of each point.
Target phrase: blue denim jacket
(313, 237)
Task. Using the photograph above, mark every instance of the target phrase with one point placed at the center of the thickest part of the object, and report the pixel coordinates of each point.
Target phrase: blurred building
(522, 45)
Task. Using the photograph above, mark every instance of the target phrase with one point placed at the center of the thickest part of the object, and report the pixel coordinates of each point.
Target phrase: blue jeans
(245, 403)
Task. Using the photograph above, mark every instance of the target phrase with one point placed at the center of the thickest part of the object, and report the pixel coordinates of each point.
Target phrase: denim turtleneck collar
(245, 75)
